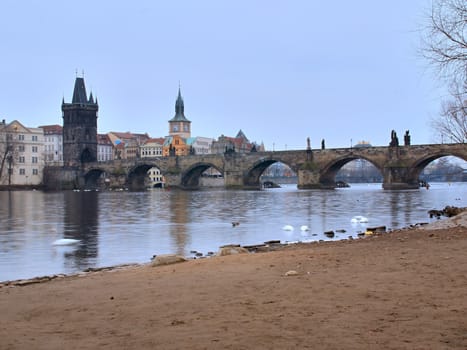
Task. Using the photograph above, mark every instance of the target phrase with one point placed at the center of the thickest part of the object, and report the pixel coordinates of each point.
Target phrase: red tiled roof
(51, 129)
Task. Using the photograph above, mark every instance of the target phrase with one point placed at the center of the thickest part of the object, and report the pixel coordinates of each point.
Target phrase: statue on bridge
(322, 144)
(407, 138)
(171, 150)
(394, 140)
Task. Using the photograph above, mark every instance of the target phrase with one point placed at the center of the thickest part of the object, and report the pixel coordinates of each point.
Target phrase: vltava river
(130, 227)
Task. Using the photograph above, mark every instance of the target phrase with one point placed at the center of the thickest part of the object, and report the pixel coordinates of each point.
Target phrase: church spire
(179, 108)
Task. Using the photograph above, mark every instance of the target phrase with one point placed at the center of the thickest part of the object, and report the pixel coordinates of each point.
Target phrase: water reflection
(127, 227)
(81, 214)
(179, 219)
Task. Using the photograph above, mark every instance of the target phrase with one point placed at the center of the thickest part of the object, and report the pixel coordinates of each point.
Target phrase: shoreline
(269, 246)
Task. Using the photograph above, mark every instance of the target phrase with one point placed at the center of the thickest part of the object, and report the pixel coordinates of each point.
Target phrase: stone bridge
(400, 167)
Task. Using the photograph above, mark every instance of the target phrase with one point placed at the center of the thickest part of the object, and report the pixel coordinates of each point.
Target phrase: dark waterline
(130, 227)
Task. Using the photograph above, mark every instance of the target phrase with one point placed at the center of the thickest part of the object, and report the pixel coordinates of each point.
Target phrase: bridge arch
(190, 177)
(328, 174)
(420, 164)
(254, 172)
(138, 175)
(93, 178)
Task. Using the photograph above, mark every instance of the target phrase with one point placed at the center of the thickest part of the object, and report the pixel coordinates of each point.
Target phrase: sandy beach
(401, 290)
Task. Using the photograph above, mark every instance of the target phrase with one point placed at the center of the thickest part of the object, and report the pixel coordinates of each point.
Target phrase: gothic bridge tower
(79, 127)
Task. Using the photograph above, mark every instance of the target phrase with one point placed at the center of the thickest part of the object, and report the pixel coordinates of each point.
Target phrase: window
(21, 159)
(35, 172)
(34, 137)
(22, 171)
(21, 137)
(34, 159)
(21, 148)
(34, 149)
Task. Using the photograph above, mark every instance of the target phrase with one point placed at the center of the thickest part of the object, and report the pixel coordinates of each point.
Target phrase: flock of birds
(358, 219)
(303, 228)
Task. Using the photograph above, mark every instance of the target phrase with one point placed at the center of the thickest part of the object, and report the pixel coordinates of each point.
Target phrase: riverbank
(398, 290)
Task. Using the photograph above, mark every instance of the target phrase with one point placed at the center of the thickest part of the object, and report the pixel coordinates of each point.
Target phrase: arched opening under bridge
(342, 172)
(269, 173)
(202, 175)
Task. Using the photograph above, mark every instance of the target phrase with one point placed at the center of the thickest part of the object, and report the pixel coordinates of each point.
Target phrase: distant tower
(79, 127)
(179, 125)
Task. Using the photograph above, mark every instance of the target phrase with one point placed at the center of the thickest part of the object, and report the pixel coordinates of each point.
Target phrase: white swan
(66, 241)
(288, 228)
(304, 228)
(359, 219)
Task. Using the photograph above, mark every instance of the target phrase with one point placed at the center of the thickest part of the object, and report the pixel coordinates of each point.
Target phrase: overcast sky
(281, 71)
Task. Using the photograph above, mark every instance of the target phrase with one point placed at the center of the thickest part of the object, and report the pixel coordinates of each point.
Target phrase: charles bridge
(400, 167)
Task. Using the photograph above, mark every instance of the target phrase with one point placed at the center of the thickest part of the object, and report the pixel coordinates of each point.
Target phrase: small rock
(167, 259)
(230, 250)
(291, 273)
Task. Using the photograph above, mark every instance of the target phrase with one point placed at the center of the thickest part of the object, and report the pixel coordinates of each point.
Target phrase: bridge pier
(308, 179)
(173, 179)
(398, 178)
(233, 179)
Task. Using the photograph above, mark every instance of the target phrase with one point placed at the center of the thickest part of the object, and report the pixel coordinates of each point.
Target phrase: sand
(401, 290)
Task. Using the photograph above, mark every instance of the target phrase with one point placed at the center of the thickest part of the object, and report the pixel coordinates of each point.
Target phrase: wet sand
(401, 290)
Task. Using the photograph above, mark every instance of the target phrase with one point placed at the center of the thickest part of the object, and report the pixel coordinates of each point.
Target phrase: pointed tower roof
(241, 135)
(79, 93)
(179, 110)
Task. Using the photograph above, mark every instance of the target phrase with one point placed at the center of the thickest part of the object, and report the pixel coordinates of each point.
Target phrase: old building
(201, 145)
(79, 127)
(178, 143)
(179, 124)
(104, 148)
(127, 145)
(239, 144)
(21, 154)
(175, 145)
(53, 144)
(152, 148)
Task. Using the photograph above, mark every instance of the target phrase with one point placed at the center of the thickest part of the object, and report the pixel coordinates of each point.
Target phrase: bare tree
(445, 41)
(452, 122)
(445, 48)
(7, 158)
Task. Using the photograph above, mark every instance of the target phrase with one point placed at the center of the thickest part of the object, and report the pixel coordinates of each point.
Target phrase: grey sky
(279, 70)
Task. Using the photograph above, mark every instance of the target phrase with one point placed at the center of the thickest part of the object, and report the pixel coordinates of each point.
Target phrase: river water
(130, 227)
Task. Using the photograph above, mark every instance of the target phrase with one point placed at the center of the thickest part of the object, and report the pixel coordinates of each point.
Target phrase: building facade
(201, 145)
(175, 146)
(127, 145)
(152, 148)
(21, 154)
(104, 148)
(79, 127)
(238, 144)
(53, 144)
